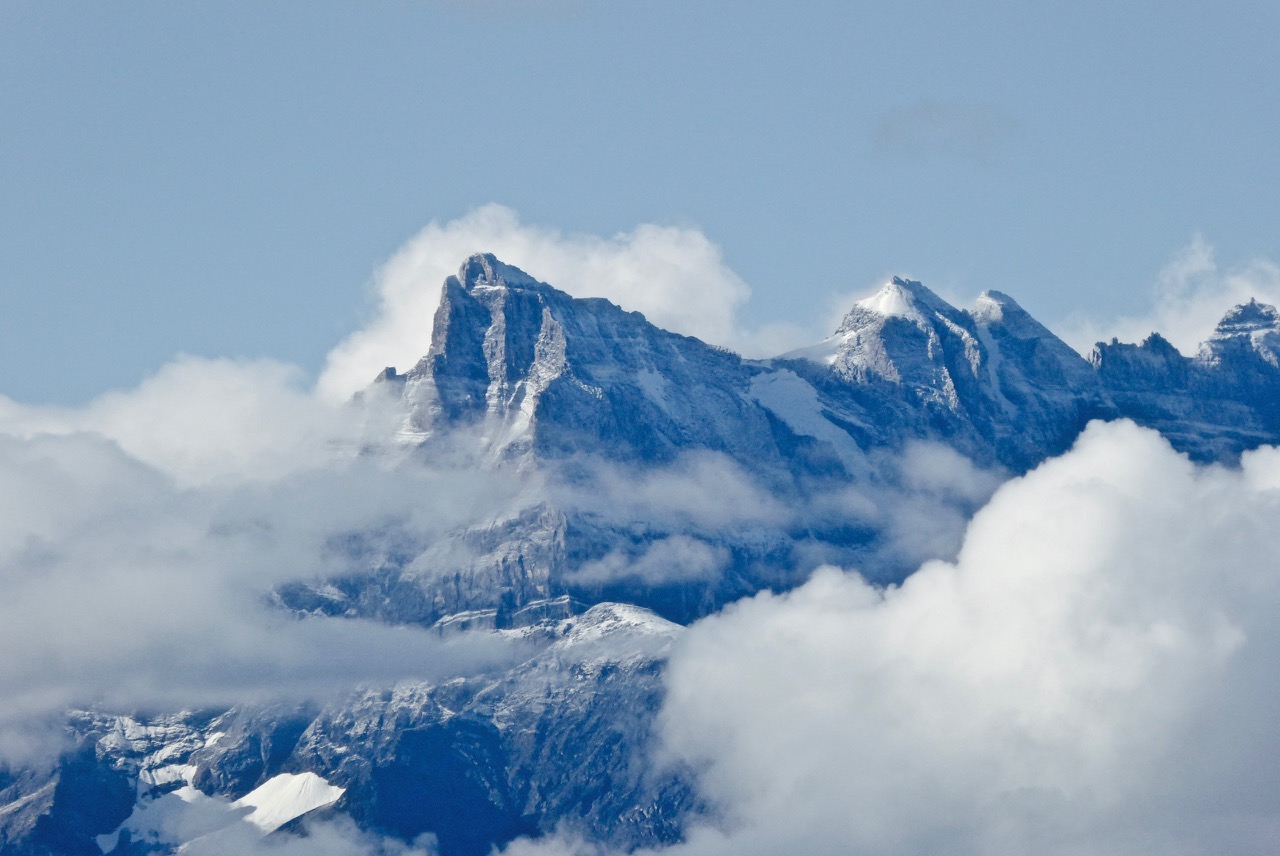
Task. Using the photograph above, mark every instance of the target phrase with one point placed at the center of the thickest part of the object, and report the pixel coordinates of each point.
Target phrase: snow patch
(654, 385)
(824, 353)
(285, 797)
(167, 774)
(796, 403)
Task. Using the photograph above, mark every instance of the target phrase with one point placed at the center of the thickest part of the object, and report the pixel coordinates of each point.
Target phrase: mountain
(661, 478)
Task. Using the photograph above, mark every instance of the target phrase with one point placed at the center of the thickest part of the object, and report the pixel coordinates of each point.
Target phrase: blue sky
(224, 178)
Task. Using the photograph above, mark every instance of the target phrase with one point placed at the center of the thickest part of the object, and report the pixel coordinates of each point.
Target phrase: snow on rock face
(907, 335)
(529, 369)
(793, 400)
(1247, 330)
(897, 299)
(286, 797)
(612, 620)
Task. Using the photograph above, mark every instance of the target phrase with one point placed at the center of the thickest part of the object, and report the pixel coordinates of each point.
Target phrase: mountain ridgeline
(524, 377)
(540, 374)
(662, 478)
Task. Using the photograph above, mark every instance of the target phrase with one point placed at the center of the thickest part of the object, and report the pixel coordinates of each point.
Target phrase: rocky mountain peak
(995, 306)
(1154, 364)
(484, 269)
(1248, 318)
(898, 298)
(1247, 332)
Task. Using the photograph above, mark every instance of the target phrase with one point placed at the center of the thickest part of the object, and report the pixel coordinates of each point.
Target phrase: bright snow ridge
(285, 797)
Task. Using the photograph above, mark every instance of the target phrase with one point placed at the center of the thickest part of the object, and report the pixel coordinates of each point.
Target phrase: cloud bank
(1094, 674)
(140, 538)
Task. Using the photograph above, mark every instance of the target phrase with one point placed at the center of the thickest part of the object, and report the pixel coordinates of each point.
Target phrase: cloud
(204, 825)
(1094, 674)
(673, 559)
(210, 826)
(678, 522)
(203, 421)
(702, 491)
(931, 128)
(124, 589)
(141, 535)
(675, 276)
(1188, 300)
(338, 837)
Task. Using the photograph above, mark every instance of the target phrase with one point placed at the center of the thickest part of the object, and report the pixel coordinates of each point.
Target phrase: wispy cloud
(932, 128)
(1188, 299)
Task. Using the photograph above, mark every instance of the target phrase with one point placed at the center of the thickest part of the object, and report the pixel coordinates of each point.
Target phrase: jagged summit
(533, 370)
(484, 269)
(1247, 333)
(897, 298)
(1248, 318)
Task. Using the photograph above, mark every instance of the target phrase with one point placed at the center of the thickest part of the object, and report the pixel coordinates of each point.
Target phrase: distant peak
(1247, 318)
(998, 297)
(902, 298)
(996, 307)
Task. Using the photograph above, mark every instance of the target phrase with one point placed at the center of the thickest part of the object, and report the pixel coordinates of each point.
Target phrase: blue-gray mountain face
(666, 479)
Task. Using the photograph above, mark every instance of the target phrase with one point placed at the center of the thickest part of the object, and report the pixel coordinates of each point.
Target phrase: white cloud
(675, 276)
(210, 826)
(1190, 297)
(204, 421)
(673, 559)
(124, 589)
(1095, 674)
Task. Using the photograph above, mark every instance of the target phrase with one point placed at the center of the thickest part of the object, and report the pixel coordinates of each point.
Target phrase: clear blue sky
(221, 178)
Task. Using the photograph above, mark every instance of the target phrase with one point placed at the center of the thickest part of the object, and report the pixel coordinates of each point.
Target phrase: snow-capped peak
(898, 298)
(992, 306)
(1248, 318)
(1251, 327)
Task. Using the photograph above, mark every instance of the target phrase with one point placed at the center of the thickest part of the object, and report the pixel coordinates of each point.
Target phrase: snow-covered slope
(285, 797)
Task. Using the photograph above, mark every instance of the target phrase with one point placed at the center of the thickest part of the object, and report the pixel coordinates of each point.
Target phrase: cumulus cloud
(1189, 298)
(702, 491)
(676, 276)
(1094, 674)
(202, 421)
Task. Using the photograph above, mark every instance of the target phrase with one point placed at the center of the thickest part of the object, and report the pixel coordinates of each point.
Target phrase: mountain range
(662, 478)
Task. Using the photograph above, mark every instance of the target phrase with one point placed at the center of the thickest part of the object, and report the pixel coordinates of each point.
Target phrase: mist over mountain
(574, 583)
